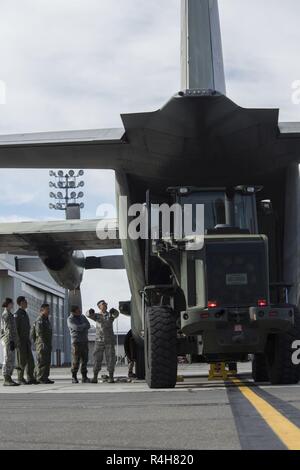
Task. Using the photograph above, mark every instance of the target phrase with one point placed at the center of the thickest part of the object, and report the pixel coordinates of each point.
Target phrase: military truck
(214, 299)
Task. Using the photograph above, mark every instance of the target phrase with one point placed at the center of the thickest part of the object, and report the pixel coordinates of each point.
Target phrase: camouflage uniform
(24, 354)
(42, 336)
(105, 340)
(79, 327)
(9, 338)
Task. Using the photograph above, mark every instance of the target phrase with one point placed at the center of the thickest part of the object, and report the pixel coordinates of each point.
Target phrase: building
(39, 288)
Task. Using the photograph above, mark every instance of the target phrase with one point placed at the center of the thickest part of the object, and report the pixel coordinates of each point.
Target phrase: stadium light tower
(66, 190)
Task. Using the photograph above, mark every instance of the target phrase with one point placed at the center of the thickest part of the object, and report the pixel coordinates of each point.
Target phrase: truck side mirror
(125, 308)
(266, 207)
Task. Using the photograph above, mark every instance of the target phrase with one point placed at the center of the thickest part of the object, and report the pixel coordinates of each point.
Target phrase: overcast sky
(78, 64)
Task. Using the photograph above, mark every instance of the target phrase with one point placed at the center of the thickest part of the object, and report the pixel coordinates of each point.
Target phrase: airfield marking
(287, 432)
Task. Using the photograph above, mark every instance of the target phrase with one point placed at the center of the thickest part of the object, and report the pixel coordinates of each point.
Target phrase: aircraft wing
(289, 129)
(91, 149)
(205, 140)
(70, 235)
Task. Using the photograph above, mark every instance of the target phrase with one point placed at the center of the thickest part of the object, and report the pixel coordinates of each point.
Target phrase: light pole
(66, 191)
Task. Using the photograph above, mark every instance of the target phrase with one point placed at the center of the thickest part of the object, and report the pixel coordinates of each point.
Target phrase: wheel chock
(219, 371)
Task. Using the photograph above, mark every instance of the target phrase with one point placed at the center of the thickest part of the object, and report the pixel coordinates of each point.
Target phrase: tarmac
(197, 415)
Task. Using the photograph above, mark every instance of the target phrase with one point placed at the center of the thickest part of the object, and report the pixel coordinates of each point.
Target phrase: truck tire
(160, 347)
(260, 368)
(279, 356)
(140, 362)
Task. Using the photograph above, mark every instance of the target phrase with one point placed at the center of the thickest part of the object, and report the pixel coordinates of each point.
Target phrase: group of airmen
(17, 336)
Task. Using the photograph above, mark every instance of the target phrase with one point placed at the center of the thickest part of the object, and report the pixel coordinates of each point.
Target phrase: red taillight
(262, 303)
(212, 304)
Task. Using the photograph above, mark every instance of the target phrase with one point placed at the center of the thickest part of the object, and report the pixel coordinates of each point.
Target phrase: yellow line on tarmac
(287, 432)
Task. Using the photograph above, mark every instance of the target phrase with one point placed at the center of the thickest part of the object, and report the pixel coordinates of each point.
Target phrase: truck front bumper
(236, 330)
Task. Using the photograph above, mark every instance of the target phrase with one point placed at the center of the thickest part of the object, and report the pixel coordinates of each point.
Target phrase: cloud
(19, 198)
(79, 64)
(27, 192)
(261, 50)
(15, 218)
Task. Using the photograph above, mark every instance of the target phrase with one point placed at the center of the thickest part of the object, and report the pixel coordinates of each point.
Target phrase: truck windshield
(214, 203)
(245, 212)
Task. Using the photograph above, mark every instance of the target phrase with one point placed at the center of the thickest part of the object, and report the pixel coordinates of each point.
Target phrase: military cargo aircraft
(199, 138)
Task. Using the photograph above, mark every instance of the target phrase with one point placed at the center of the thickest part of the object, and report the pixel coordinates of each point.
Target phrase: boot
(22, 381)
(111, 379)
(32, 381)
(50, 382)
(9, 382)
(131, 375)
(45, 382)
(85, 379)
(95, 378)
(74, 378)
